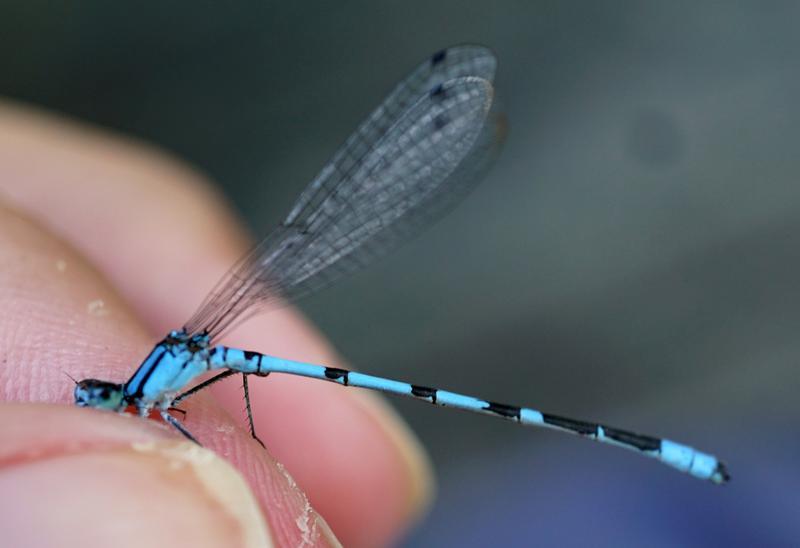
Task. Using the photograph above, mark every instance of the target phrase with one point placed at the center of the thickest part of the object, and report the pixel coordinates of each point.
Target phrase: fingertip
(126, 476)
(156, 231)
(415, 463)
(48, 328)
(382, 476)
(128, 206)
(135, 477)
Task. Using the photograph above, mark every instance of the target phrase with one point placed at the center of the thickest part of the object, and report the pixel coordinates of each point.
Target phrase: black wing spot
(579, 427)
(334, 374)
(643, 443)
(438, 57)
(438, 92)
(508, 411)
(424, 392)
(440, 122)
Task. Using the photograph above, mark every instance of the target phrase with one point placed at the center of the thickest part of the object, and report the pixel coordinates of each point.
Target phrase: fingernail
(157, 493)
(421, 482)
(326, 534)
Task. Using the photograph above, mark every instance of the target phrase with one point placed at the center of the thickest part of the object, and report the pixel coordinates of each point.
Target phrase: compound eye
(98, 394)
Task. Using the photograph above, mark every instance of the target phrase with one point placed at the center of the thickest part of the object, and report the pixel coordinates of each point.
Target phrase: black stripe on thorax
(140, 389)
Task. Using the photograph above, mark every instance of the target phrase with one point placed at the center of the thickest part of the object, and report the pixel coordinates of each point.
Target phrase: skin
(105, 245)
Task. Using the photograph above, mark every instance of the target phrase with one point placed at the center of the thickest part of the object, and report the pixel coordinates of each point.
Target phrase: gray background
(632, 258)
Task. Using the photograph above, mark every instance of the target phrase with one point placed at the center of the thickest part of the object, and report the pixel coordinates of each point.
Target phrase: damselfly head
(99, 394)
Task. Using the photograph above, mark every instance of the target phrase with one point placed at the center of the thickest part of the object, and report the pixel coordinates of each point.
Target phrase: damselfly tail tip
(721, 474)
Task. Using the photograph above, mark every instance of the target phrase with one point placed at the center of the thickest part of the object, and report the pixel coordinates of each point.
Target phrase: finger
(127, 473)
(61, 317)
(165, 240)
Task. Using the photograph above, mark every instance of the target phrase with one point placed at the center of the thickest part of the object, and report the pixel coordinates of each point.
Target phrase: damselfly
(414, 157)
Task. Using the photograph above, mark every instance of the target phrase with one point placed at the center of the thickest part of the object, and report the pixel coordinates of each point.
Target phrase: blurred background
(632, 258)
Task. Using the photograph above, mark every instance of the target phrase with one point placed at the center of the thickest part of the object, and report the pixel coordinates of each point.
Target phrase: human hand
(104, 247)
